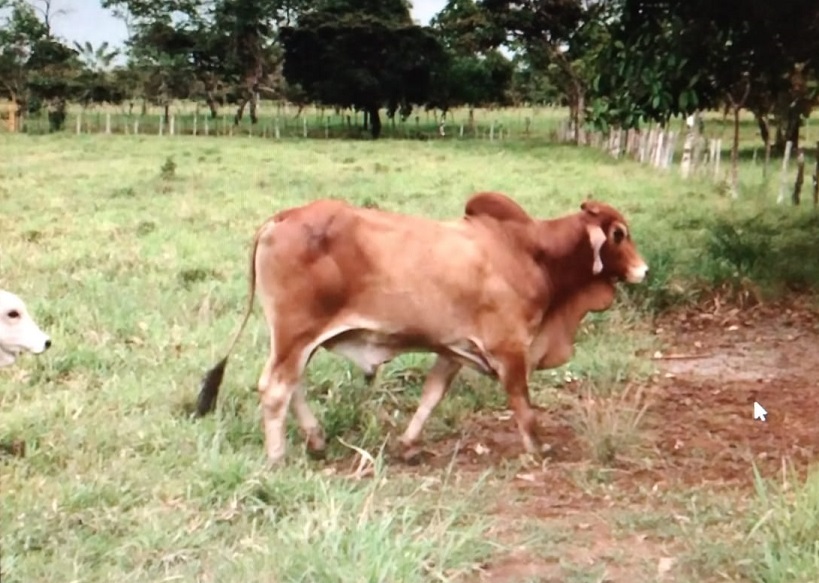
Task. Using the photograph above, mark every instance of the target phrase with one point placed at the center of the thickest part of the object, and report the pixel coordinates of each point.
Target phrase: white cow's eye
(13, 314)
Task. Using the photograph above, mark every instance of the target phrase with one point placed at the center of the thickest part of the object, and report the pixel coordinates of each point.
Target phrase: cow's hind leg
(310, 428)
(280, 380)
(274, 395)
(438, 380)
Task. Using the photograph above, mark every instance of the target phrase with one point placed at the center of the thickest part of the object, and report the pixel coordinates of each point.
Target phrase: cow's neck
(566, 254)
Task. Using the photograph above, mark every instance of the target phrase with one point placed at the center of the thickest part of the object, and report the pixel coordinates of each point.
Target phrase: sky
(86, 20)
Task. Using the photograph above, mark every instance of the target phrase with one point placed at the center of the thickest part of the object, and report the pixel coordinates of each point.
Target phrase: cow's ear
(596, 238)
(590, 207)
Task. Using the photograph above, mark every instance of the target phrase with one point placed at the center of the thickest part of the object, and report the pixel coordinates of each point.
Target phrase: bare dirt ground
(714, 362)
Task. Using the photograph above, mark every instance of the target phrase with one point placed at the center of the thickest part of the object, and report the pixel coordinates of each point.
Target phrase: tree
(557, 38)
(364, 54)
(673, 58)
(97, 81)
(473, 73)
(227, 48)
(35, 68)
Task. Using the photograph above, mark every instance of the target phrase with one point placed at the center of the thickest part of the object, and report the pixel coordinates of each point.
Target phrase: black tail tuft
(209, 389)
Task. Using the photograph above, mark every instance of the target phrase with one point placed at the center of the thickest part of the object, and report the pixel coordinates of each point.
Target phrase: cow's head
(18, 331)
(615, 254)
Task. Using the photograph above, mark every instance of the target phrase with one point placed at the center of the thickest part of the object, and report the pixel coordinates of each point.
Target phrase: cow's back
(337, 263)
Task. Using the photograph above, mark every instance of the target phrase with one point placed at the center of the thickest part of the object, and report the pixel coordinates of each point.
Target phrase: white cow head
(18, 332)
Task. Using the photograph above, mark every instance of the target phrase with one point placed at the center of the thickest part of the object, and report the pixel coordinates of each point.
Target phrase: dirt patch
(712, 368)
(713, 365)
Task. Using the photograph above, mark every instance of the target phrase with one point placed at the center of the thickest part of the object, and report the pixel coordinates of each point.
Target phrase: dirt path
(712, 365)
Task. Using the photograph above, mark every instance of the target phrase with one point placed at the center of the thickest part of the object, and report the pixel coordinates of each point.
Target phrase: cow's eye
(619, 235)
(13, 315)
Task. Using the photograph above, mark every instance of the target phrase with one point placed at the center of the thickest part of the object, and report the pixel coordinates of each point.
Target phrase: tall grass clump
(784, 538)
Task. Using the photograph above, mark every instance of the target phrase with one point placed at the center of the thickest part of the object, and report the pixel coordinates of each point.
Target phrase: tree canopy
(365, 55)
(673, 58)
(618, 63)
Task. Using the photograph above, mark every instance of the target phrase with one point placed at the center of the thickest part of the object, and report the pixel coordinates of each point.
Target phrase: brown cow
(495, 290)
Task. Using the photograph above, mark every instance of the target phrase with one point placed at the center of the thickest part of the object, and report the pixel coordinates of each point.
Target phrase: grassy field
(533, 122)
(131, 252)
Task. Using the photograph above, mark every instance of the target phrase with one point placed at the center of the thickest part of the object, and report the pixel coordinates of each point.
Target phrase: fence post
(659, 153)
(671, 146)
(816, 178)
(784, 177)
(800, 178)
(12, 116)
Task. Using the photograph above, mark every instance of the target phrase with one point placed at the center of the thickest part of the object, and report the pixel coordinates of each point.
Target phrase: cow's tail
(209, 389)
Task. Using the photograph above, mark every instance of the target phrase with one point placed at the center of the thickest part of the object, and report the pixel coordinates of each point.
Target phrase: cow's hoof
(411, 454)
(14, 448)
(531, 459)
(316, 445)
(273, 463)
(316, 453)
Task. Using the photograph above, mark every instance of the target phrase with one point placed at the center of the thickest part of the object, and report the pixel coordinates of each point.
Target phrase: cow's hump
(496, 205)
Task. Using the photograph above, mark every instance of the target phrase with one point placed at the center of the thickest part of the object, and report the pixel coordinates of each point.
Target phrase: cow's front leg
(514, 375)
(438, 380)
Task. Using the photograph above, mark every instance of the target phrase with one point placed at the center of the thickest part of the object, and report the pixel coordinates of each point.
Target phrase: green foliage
(33, 65)
(773, 248)
(472, 80)
(669, 59)
(168, 169)
(784, 538)
(363, 59)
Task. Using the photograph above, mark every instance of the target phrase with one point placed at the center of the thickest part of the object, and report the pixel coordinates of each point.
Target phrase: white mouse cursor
(759, 411)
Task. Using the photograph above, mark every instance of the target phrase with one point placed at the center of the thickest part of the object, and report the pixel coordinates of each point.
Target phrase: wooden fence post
(784, 177)
(13, 109)
(816, 178)
(800, 178)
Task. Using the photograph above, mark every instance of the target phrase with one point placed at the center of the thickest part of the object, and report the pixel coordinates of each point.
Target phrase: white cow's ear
(596, 237)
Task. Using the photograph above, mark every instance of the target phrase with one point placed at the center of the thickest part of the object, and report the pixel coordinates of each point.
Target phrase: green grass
(132, 253)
